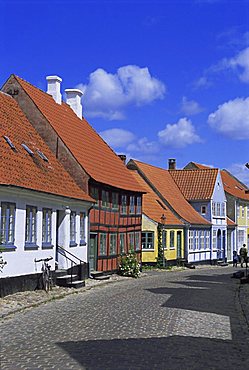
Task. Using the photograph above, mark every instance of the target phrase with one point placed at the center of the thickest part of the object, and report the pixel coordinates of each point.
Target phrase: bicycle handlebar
(43, 259)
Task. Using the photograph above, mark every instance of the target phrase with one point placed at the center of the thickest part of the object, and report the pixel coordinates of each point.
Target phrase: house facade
(204, 190)
(116, 218)
(42, 210)
(196, 231)
(159, 226)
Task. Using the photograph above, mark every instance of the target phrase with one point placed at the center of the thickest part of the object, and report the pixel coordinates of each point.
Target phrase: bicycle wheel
(45, 281)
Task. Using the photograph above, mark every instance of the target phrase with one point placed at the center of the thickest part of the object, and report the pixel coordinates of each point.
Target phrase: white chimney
(73, 98)
(54, 87)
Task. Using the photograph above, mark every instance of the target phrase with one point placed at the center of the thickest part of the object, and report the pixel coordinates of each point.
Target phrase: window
(82, 228)
(131, 241)
(137, 241)
(164, 239)
(114, 200)
(218, 209)
(196, 239)
(46, 227)
(105, 199)
(7, 224)
(148, 240)
(214, 239)
(122, 242)
(223, 209)
(242, 211)
(132, 204)
(139, 205)
(123, 204)
(207, 245)
(172, 239)
(102, 250)
(94, 193)
(202, 244)
(191, 240)
(113, 244)
(73, 229)
(241, 237)
(213, 208)
(203, 210)
(30, 235)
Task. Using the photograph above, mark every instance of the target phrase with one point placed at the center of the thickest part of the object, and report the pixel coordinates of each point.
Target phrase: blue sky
(161, 79)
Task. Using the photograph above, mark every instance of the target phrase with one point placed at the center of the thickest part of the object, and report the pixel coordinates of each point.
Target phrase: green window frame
(148, 240)
(122, 243)
(123, 204)
(103, 244)
(113, 244)
(172, 239)
(115, 197)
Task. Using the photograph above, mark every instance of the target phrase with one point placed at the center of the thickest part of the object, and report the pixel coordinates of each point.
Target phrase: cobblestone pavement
(191, 319)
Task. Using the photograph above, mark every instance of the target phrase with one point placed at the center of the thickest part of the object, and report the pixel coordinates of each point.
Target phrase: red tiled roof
(153, 207)
(164, 183)
(200, 166)
(89, 149)
(230, 222)
(233, 186)
(196, 185)
(18, 168)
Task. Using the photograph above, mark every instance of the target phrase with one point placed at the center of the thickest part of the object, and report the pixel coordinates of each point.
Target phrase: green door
(179, 244)
(93, 252)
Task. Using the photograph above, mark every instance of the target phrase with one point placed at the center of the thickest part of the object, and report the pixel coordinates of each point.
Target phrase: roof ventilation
(42, 156)
(73, 98)
(27, 149)
(9, 142)
(54, 87)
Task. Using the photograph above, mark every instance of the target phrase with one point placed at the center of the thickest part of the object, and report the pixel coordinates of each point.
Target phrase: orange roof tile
(196, 185)
(233, 186)
(89, 149)
(153, 207)
(230, 222)
(18, 168)
(166, 186)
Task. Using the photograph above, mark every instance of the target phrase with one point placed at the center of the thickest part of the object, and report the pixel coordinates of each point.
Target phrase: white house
(43, 212)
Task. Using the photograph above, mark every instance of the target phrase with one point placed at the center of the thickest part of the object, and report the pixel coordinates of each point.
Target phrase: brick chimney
(123, 158)
(171, 164)
(73, 98)
(54, 87)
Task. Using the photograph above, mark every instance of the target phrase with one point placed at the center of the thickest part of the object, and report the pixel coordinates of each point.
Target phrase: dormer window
(203, 210)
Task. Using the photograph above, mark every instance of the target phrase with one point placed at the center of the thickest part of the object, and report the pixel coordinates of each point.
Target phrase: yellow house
(160, 227)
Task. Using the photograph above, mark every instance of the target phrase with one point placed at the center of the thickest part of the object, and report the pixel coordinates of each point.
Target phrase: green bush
(129, 265)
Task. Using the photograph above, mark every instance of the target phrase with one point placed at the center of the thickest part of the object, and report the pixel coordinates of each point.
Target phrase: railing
(64, 253)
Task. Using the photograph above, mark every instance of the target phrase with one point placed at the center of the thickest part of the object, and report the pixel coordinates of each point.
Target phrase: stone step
(64, 280)
(95, 274)
(102, 277)
(77, 284)
(60, 272)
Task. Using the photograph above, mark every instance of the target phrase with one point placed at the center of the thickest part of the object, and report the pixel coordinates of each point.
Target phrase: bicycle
(46, 273)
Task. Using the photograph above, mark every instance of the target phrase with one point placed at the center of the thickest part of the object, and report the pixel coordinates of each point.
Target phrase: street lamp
(163, 219)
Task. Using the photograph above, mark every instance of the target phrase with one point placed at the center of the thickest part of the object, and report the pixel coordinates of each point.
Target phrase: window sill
(47, 246)
(148, 250)
(73, 244)
(82, 243)
(7, 248)
(30, 247)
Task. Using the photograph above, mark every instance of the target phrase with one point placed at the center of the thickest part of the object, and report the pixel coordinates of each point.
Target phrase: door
(93, 252)
(179, 245)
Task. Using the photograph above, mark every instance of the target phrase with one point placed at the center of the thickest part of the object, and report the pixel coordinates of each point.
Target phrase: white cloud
(179, 135)
(240, 63)
(190, 107)
(232, 119)
(241, 172)
(107, 94)
(117, 138)
(144, 146)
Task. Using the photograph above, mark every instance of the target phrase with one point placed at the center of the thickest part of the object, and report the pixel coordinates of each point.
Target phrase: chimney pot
(123, 158)
(73, 98)
(172, 164)
(54, 87)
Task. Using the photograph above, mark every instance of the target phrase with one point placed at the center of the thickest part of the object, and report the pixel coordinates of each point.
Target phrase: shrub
(129, 265)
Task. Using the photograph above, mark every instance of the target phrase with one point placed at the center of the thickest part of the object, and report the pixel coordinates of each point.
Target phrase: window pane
(122, 242)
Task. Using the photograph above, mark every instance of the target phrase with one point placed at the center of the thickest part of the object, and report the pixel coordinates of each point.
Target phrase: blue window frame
(73, 229)
(46, 228)
(31, 227)
(7, 230)
(139, 206)
(82, 228)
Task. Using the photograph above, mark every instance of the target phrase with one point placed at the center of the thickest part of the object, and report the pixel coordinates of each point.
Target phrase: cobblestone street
(191, 319)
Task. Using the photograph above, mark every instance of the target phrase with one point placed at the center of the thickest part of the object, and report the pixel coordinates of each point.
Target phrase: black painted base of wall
(10, 285)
